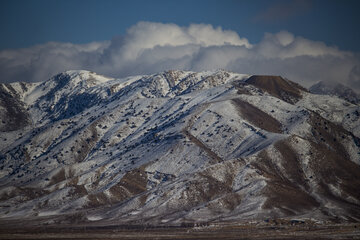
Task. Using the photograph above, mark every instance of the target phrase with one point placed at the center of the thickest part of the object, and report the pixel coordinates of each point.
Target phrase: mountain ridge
(336, 89)
(177, 147)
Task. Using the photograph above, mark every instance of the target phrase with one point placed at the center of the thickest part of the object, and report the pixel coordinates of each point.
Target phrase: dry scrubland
(272, 229)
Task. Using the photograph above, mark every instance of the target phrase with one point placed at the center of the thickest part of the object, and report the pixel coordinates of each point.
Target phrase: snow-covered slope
(336, 89)
(176, 147)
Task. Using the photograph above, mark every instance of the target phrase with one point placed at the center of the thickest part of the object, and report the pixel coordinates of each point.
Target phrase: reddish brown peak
(278, 87)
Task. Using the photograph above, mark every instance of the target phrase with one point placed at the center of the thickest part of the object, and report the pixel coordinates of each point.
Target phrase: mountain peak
(83, 77)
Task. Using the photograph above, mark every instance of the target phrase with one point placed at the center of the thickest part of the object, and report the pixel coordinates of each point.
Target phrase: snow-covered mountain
(336, 89)
(176, 147)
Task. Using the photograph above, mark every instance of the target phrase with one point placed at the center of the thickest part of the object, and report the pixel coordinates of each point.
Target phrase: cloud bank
(149, 47)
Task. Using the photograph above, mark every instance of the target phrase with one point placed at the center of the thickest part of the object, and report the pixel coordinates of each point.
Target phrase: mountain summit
(176, 147)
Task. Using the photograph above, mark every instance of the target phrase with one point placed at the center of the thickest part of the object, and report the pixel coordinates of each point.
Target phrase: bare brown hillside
(278, 87)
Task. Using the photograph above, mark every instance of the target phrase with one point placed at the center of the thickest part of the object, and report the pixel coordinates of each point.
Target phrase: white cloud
(206, 35)
(152, 47)
(286, 45)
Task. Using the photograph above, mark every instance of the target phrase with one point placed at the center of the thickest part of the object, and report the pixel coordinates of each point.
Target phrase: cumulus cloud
(153, 47)
(39, 62)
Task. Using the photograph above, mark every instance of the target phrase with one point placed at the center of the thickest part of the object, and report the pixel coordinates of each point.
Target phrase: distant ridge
(336, 89)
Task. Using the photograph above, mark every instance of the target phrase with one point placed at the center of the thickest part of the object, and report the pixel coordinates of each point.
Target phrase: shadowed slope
(13, 116)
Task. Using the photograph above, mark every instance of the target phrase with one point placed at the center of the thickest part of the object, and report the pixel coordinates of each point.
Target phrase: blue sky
(306, 41)
(25, 23)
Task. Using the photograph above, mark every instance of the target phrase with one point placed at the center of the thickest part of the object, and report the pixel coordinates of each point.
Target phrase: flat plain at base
(267, 231)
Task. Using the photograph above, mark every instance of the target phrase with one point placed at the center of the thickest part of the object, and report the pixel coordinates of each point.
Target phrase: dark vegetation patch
(257, 117)
(278, 87)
